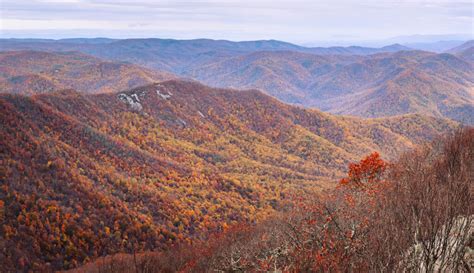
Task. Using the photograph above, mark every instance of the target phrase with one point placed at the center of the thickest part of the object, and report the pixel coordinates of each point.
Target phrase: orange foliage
(365, 174)
(86, 176)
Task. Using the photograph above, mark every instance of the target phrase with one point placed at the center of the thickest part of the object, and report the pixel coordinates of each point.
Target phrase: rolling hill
(365, 82)
(177, 56)
(405, 82)
(353, 81)
(285, 75)
(31, 72)
(86, 175)
(377, 85)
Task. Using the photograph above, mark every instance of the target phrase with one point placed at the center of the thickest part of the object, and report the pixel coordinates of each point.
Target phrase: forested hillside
(378, 85)
(33, 72)
(414, 214)
(91, 175)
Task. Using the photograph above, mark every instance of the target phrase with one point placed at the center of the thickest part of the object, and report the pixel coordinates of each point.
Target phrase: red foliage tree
(365, 174)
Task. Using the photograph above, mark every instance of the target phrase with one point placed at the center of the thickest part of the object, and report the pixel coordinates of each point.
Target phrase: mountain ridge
(445, 80)
(176, 55)
(30, 72)
(95, 174)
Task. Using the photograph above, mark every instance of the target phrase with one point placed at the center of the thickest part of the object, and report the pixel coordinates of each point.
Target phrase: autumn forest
(208, 155)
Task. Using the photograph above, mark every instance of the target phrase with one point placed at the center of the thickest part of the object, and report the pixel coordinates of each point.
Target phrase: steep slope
(467, 54)
(464, 51)
(31, 72)
(89, 175)
(461, 47)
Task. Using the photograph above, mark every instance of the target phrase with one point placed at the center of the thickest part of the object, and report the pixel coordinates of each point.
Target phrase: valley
(112, 147)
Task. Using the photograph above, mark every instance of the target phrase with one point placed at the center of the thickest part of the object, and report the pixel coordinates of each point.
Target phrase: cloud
(298, 20)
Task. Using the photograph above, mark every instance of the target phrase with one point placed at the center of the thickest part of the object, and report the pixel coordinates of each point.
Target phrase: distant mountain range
(438, 47)
(376, 85)
(177, 55)
(366, 82)
(91, 175)
(32, 72)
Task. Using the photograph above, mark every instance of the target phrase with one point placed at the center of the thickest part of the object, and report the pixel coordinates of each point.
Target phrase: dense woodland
(414, 214)
(35, 72)
(170, 164)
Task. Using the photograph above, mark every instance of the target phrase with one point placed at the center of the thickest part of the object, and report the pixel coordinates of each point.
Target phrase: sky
(298, 21)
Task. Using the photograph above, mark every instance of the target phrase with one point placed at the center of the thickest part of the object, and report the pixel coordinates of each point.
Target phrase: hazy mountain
(91, 175)
(355, 50)
(87, 40)
(283, 74)
(30, 72)
(373, 82)
(177, 55)
(420, 38)
(438, 46)
(464, 51)
(461, 47)
(369, 86)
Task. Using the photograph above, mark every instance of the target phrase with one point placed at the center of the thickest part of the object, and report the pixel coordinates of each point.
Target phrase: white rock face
(132, 101)
(135, 96)
(162, 95)
(452, 241)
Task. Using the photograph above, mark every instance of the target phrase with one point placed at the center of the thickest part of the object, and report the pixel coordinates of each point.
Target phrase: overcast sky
(300, 21)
